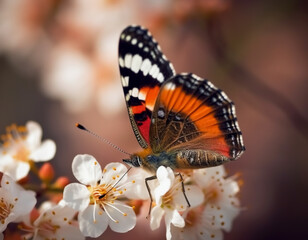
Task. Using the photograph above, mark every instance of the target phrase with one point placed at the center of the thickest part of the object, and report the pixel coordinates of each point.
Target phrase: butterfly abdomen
(199, 159)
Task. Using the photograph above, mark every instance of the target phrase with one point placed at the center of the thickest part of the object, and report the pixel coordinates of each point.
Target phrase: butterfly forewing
(143, 69)
(197, 120)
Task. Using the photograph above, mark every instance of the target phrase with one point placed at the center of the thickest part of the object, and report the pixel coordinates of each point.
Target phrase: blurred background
(58, 66)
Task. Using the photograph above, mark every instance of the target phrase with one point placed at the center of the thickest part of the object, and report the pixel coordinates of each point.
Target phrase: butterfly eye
(134, 161)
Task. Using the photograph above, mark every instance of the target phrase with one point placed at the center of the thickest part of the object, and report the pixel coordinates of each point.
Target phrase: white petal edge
(69, 232)
(165, 177)
(76, 196)
(26, 202)
(34, 134)
(124, 215)
(156, 216)
(176, 219)
(86, 169)
(194, 195)
(113, 172)
(44, 152)
(88, 226)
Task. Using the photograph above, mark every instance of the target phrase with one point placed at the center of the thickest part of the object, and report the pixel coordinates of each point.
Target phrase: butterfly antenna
(101, 138)
(114, 185)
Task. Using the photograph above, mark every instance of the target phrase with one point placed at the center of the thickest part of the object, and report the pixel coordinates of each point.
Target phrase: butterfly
(181, 121)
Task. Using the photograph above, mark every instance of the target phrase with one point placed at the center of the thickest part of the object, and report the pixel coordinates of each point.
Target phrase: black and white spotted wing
(143, 69)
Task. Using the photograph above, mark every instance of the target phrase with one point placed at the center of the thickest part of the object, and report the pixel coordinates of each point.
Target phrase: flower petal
(10, 185)
(44, 152)
(26, 202)
(205, 176)
(76, 196)
(124, 216)
(173, 216)
(176, 219)
(136, 188)
(60, 213)
(34, 134)
(156, 216)
(193, 194)
(69, 232)
(90, 227)
(15, 169)
(86, 169)
(165, 177)
(113, 172)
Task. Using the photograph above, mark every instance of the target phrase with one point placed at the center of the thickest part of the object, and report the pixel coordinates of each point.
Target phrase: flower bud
(46, 172)
(61, 182)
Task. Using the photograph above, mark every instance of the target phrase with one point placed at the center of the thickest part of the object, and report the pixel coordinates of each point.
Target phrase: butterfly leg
(148, 188)
(183, 188)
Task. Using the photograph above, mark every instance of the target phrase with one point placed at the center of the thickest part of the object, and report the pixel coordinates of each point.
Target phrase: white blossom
(218, 210)
(98, 197)
(15, 202)
(170, 200)
(21, 145)
(56, 222)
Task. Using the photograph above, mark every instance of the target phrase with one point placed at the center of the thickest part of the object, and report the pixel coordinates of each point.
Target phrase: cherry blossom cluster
(193, 204)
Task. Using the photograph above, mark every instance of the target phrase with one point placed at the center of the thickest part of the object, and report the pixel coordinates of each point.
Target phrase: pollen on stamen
(95, 163)
(100, 213)
(114, 168)
(7, 182)
(133, 181)
(113, 177)
(16, 199)
(53, 213)
(65, 219)
(213, 235)
(124, 214)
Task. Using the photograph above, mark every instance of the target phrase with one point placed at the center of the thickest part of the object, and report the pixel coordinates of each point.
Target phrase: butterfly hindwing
(143, 69)
(197, 120)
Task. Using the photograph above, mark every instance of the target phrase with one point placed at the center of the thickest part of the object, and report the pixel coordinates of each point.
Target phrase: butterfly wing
(143, 69)
(197, 121)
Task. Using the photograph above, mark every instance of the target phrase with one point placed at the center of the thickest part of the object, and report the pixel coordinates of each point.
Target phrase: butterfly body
(180, 120)
(188, 159)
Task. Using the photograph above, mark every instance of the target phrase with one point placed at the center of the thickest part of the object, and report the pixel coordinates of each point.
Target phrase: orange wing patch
(195, 115)
(200, 114)
(150, 94)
